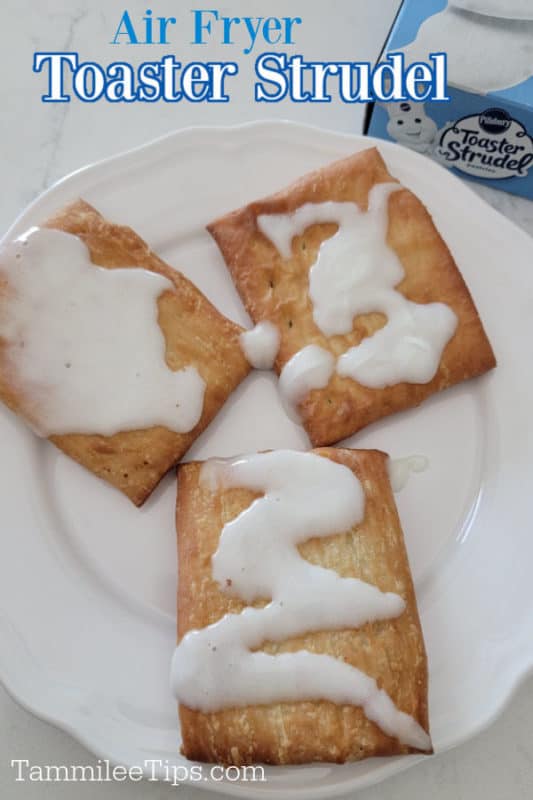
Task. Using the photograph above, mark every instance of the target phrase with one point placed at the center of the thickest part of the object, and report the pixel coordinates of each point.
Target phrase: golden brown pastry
(391, 650)
(195, 334)
(276, 289)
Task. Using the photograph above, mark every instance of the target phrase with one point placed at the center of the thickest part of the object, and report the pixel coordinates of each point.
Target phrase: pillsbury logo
(490, 145)
(495, 120)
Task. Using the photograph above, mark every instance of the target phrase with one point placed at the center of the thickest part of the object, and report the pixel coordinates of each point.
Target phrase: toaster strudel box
(484, 131)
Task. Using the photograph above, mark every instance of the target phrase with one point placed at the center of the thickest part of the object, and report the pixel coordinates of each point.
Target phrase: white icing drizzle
(400, 470)
(355, 268)
(83, 343)
(355, 273)
(408, 348)
(257, 557)
(260, 345)
(310, 368)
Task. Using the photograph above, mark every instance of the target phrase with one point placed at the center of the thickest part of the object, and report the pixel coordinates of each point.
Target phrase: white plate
(88, 582)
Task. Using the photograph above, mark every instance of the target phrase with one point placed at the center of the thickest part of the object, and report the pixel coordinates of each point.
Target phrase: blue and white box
(484, 132)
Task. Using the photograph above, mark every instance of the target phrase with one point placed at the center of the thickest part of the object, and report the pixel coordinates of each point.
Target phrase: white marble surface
(40, 143)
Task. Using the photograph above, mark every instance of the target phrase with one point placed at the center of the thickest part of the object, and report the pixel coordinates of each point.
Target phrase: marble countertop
(43, 142)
